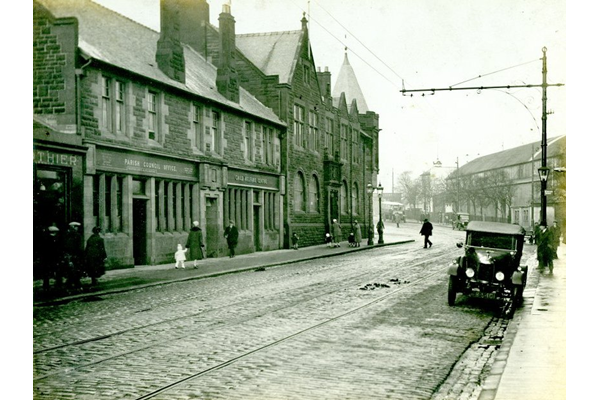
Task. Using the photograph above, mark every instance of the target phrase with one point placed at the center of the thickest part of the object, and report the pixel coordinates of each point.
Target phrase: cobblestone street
(371, 324)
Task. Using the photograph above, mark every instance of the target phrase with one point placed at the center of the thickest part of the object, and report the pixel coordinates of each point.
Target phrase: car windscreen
(492, 240)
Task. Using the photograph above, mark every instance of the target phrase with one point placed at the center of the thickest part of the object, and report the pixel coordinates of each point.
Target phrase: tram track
(155, 308)
(413, 282)
(350, 279)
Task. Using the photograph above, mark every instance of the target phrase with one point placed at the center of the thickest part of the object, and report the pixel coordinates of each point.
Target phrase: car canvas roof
(496, 227)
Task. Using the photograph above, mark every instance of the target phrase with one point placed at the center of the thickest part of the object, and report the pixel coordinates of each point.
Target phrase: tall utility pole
(544, 145)
(544, 140)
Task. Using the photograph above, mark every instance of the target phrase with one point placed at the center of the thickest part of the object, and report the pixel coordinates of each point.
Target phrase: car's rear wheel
(452, 289)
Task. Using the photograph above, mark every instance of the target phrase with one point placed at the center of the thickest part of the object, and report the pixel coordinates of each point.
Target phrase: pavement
(530, 364)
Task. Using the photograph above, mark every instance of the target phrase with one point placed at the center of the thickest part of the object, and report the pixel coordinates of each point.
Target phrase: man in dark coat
(195, 244)
(427, 230)
(74, 254)
(231, 234)
(95, 255)
(52, 256)
(545, 251)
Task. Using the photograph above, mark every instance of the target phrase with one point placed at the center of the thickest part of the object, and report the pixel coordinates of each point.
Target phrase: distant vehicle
(491, 265)
(389, 208)
(460, 221)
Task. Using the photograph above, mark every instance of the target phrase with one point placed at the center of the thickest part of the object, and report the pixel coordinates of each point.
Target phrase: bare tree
(410, 189)
(500, 191)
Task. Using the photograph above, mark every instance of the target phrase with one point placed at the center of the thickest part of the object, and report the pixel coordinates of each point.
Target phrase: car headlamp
(500, 276)
(470, 272)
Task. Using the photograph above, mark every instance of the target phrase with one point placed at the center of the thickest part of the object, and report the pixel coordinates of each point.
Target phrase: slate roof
(110, 37)
(515, 156)
(347, 83)
(274, 53)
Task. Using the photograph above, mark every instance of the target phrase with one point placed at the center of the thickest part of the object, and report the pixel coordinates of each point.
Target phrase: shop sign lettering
(51, 158)
(237, 177)
(140, 163)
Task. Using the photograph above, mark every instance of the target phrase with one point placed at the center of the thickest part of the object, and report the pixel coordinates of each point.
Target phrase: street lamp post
(370, 190)
(543, 173)
(380, 223)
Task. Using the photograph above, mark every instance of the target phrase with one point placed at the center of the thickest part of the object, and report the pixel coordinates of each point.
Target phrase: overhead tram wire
(359, 41)
(495, 72)
(312, 19)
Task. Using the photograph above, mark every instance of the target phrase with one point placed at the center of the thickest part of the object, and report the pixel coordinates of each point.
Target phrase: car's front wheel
(452, 289)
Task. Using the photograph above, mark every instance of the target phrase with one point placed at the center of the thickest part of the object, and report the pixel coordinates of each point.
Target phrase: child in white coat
(180, 257)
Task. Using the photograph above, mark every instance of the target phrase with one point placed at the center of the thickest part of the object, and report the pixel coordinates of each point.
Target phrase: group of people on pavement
(195, 245)
(335, 238)
(64, 258)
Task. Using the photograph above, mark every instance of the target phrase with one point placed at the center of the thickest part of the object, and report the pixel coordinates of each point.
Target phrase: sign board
(252, 179)
(547, 192)
(144, 164)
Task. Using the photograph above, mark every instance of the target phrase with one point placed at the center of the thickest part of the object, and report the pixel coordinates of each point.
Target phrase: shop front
(253, 200)
(144, 203)
(57, 190)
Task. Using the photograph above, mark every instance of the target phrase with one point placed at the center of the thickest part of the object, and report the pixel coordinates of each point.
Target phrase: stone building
(505, 186)
(139, 134)
(329, 152)
(142, 132)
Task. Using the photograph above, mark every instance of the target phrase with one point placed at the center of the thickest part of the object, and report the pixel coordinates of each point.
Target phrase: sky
(426, 44)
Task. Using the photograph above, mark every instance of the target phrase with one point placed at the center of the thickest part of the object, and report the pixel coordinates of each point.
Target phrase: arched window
(314, 194)
(299, 196)
(344, 198)
(355, 207)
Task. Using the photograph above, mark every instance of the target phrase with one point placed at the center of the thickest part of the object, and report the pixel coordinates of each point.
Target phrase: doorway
(212, 227)
(139, 231)
(257, 242)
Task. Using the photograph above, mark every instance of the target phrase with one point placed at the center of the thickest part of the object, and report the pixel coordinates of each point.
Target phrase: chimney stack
(169, 51)
(195, 19)
(324, 81)
(228, 82)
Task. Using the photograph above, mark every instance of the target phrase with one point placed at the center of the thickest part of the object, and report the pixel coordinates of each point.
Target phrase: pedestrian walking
(555, 232)
(73, 244)
(195, 244)
(180, 257)
(427, 231)
(295, 239)
(545, 251)
(337, 233)
(357, 233)
(231, 234)
(95, 255)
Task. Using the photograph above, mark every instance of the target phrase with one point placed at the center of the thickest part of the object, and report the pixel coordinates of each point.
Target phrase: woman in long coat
(357, 233)
(95, 255)
(337, 233)
(195, 244)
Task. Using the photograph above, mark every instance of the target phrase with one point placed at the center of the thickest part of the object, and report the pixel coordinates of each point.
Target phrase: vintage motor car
(491, 265)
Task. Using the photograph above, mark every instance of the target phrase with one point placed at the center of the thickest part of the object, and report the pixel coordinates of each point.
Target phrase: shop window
(108, 202)
(50, 202)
